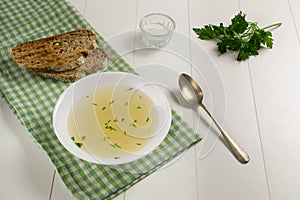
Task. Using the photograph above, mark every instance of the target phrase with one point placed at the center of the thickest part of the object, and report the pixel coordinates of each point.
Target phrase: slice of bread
(62, 52)
(93, 63)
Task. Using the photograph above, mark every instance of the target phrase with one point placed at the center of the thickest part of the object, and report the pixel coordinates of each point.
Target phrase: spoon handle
(235, 149)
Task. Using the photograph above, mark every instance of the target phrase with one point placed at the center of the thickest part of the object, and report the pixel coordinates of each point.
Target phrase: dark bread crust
(57, 53)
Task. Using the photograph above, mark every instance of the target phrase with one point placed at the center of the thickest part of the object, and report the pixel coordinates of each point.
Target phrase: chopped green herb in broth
(116, 129)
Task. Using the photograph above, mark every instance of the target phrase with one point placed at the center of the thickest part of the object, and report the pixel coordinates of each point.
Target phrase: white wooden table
(260, 108)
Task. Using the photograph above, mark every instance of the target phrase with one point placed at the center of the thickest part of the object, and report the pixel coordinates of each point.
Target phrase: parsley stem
(273, 26)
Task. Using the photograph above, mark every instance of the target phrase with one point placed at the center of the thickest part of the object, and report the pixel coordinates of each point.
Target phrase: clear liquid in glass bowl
(157, 29)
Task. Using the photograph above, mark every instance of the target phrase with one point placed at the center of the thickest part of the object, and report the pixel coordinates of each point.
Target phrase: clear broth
(113, 122)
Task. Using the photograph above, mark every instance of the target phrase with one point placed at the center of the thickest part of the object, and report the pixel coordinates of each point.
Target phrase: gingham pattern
(33, 99)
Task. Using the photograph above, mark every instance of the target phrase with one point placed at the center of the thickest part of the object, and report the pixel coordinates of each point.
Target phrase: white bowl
(99, 147)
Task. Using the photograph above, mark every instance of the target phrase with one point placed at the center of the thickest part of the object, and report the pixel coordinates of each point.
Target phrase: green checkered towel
(33, 99)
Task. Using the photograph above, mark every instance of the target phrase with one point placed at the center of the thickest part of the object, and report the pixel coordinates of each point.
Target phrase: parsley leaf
(242, 36)
(239, 23)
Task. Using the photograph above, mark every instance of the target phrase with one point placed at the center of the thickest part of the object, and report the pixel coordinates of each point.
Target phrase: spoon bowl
(193, 94)
(190, 90)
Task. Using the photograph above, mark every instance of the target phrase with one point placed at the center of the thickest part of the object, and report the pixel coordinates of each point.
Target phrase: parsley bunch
(242, 36)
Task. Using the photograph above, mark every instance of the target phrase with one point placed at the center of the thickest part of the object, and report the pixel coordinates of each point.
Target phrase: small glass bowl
(157, 29)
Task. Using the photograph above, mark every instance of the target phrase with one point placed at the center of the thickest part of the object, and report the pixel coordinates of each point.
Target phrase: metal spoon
(193, 94)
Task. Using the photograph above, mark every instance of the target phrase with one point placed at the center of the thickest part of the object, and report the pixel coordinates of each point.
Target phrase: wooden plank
(219, 175)
(276, 75)
(25, 170)
(164, 66)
